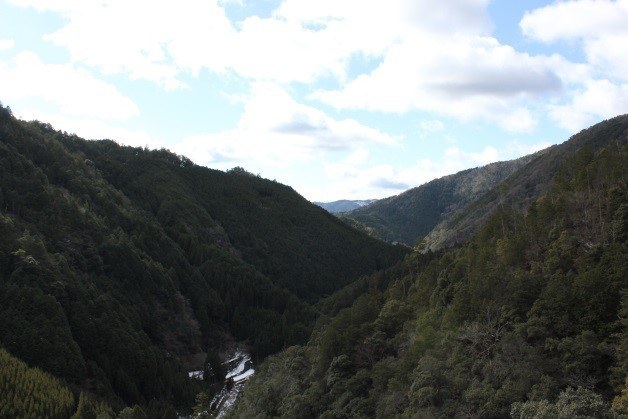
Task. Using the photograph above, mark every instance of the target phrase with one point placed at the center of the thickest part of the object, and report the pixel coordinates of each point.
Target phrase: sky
(340, 99)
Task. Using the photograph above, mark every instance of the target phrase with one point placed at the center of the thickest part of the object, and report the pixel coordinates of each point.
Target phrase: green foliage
(30, 392)
(117, 262)
(213, 371)
(525, 185)
(580, 403)
(521, 320)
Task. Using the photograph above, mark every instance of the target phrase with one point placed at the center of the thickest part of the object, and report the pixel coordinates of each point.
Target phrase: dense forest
(117, 262)
(526, 319)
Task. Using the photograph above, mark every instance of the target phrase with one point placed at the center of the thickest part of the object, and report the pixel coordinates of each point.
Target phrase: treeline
(528, 319)
(115, 262)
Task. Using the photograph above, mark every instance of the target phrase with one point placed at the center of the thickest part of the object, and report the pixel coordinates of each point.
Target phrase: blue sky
(339, 99)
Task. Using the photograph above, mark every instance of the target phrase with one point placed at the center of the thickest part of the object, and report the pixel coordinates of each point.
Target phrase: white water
(239, 369)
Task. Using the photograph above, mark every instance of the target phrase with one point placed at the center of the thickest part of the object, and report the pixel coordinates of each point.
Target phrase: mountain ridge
(414, 213)
(523, 186)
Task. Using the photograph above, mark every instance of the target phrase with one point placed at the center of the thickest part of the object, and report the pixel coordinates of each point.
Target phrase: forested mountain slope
(527, 319)
(117, 261)
(525, 185)
(29, 392)
(267, 224)
(414, 213)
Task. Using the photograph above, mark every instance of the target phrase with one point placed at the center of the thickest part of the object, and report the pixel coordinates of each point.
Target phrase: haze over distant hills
(344, 205)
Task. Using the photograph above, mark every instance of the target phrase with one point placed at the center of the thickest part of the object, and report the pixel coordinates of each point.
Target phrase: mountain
(118, 263)
(344, 205)
(414, 213)
(523, 186)
(527, 318)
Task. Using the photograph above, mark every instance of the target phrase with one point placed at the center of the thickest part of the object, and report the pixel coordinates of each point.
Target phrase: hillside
(117, 262)
(344, 205)
(265, 223)
(529, 318)
(414, 213)
(524, 186)
(38, 394)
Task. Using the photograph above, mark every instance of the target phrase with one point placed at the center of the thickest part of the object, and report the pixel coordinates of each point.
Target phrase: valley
(141, 270)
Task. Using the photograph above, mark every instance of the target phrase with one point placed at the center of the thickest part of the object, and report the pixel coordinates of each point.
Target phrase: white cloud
(437, 57)
(144, 39)
(6, 44)
(433, 125)
(276, 131)
(518, 120)
(597, 100)
(599, 25)
(598, 88)
(575, 19)
(74, 91)
(301, 41)
(465, 77)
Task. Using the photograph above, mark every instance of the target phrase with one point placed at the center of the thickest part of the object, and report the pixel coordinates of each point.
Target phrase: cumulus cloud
(599, 25)
(437, 57)
(301, 41)
(151, 40)
(72, 91)
(599, 90)
(465, 77)
(275, 130)
(598, 99)
(433, 125)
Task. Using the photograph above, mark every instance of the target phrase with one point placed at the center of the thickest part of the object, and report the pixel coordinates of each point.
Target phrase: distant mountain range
(344, 205)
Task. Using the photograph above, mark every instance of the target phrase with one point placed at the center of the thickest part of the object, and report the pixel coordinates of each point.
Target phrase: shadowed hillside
(116, 262)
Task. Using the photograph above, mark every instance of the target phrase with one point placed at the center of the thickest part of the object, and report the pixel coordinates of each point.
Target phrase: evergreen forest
(117, 263)
(120, 264)
(527, 319)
